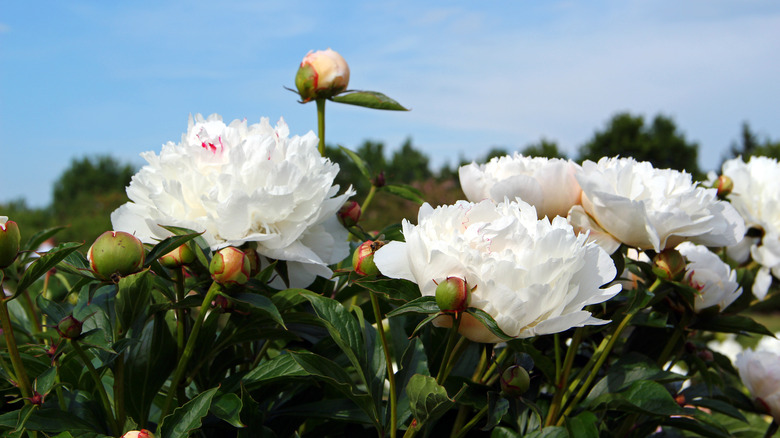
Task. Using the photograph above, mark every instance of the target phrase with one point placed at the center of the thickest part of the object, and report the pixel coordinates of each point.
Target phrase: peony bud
(669, 264)
(230, 266)
(453, 295)
(254, 261)
(10, 239)
(322, 74)
(177, 258)
(349, 214)
(116, 254)
(725, 185)
(69, 327)
(143, 433)
(515, 381)
(379, 180)
(363, 257)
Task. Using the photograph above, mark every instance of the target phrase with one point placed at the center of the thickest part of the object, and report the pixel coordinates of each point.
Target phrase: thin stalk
(463, 411)
(389, 361)
(472, 423)
(16, 359)
(181, 313)
(112, 424)
(442, 375)
(369, 198)
(494, 366)
(29, 309)
(189, 348)
(261, 353)
(563, 376)
(58, 387)
(119, 390)
(321, 124)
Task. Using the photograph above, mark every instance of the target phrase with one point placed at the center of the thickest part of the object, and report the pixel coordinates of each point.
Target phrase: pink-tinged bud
(143, 433)
(10, 239)
(116, 254)
(453, 295)
(515, 381)
(363, 257)
(349, 214)
(69, 327)
(177, 258)
(669, 264)
(379, 180)
(36, 399)
(230, 266)
(322, 74)
(254, 261)
(725, 185)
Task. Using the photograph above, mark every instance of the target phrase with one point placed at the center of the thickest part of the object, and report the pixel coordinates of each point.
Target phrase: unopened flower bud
(322, 74)
(725, 185)
(116, 253)
(349, 214)
(143, 433)
(230, 266)
(515, 381)
(669, 264)
(179, 257)
(69, 327)
(379, 180)
(10, 239)
(363, 257)
(453, 295)
(254, 261)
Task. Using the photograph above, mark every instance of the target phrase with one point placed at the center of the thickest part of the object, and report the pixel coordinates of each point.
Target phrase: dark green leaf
(43, 264)
(425, 304)
(187, 418)
(167, 245)
(406, 192)
(489, 322)
(584, 425)
(132, 298)
(731, 324)
(361, 165)
(631, 368)
(403, 290)
(497, 408)
(644, 397)
(343, 328)
(228, 407)
(427, 399)
(50, 421)
(260, 303)
(38, 238)
(369, 99)
(289, 298)
(55, 311)
(549, 432)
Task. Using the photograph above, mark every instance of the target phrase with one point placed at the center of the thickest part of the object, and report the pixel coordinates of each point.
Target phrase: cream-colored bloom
(716, 281)
(242, 183)
(630, 202)
(322, 74)
(757, 198)
(532, 276)
(547, 184)
(760, 372)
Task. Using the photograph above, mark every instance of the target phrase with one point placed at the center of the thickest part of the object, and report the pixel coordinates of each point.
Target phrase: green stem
(181, 313)
(119, 390)
(459, 420)
(189, 348)
(367, 201)
(58, 387)
(493, 367)
(16, 359)
(442, 375)
(321, 124)
(29, 309)
(671, 346)
(260, 353)
(563, 376)
(112, 424)
(771, 430)
(472, 423)
(389, 361)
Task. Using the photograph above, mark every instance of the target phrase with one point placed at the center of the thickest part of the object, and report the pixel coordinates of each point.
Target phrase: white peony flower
(757, 198)
(728, 346)
(706, 272)
(760, 372)
(547, 184)
(243, 183)
(532, 276)
(630, 202)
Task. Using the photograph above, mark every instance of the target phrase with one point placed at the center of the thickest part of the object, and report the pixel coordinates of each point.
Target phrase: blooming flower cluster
(532, 276)
(715, 281)
(242, 183)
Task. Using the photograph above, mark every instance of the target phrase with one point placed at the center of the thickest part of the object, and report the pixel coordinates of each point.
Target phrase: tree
(660, 143)
(408, 165)
(750, 145)
(545, 148)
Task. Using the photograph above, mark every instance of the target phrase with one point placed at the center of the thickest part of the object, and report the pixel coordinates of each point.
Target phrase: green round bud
(363, 258)
(669, 264)
(724, 185)
(10, 240)
(177, 258)
(116, 254)
(453, 295)
(515, 381)
(230, 266)
(69, 327)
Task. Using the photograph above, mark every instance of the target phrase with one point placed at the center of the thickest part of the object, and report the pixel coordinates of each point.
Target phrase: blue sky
(85, 77)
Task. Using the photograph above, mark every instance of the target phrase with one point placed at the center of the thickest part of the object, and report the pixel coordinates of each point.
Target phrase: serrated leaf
(406, 192)
(43, 264)
(361, 165)
(427, 399)
(187, 418)
(369, 99)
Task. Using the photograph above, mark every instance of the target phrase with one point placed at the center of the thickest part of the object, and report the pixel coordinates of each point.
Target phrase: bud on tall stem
(10, 239)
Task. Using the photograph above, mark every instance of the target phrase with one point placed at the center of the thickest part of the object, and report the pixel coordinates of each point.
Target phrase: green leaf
(132, 298)
(200, 242)
(427, 399)
(549, 432)
(402, 290)
(43, 264)
(406, 192)
(631, 368)
(497, 408)
(187, 418)
(343, 328)
(228, 407)
(425, 305)
(50, 421)
(584, 425)
(489, 322)
(52, 309)
(369, 99)
(38, 238)
(644, 397)
(260, 303)
(167, 245)
(361, 165)
(289, 298)
(413, 362)
(731, 324)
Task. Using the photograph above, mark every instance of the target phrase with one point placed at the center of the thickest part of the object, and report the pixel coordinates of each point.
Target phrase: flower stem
(189, 348)
(112, 424)
(369, 197)
(462, 432)
(181, 314)
(321, 124)
(119, 390)
(16, 359)
(388, 360)
(563, 376)
(445, 360)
